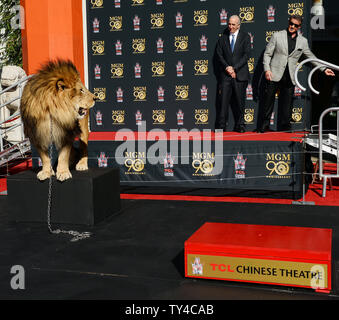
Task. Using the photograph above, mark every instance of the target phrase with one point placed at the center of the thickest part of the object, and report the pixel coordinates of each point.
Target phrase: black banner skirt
(240, 165)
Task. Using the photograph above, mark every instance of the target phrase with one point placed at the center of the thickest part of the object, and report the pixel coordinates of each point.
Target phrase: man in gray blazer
(280, 62)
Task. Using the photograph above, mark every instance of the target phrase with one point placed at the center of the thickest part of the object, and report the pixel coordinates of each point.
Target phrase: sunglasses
(294, 24)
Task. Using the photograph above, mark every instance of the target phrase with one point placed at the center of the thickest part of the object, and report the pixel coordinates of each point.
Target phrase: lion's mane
(42, 99)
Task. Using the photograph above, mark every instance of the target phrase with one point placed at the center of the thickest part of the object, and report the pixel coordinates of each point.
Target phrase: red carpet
(15, 167)
(200, 135)
(314, 194)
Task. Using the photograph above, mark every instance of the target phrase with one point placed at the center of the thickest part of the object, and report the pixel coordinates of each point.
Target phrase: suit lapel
(227, 42)
(296, 44)
(237, 43)
(285, 43)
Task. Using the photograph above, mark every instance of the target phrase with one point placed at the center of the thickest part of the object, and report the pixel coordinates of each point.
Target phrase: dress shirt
(291, 42)
(235, 36)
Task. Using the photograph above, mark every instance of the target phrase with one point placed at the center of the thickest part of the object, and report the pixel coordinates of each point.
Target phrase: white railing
(11, 122)
(321, 64)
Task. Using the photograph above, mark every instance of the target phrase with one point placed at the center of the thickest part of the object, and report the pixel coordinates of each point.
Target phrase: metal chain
(76, 235)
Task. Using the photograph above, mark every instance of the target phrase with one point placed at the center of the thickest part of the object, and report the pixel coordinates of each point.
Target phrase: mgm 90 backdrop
(153, 60)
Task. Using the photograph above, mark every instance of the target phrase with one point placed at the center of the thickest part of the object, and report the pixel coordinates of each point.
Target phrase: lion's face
(79, 96)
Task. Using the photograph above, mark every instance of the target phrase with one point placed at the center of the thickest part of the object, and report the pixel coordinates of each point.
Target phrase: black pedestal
(88, 198)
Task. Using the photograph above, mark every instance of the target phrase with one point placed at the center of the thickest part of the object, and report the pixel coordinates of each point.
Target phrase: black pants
(286, 88)
(231, 93)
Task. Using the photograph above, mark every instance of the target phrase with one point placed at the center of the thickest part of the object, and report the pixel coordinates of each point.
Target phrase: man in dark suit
(232, 51)
(280, 61)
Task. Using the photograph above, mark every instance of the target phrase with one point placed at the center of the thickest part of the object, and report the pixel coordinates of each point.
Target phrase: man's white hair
(236, 17)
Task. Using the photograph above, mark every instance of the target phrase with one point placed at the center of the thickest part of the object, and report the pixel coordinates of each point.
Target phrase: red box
(277, 255)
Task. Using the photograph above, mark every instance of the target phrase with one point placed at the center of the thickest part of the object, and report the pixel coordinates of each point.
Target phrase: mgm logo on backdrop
(182, 92)
(159, 116)
(139, 93)
(297, 114)
(181, 43)
(295, 9)
(135, 162)
(201, 67)
(117, 70)
(201, 116)
(115, 23)
(118, 117)
(269, 35)
(98, 48)
(97, 4)
(246, 14)
(157, 20)
(200, 18)
(139, 45)
(138, 2)
(203, 163)
(100, 94)
(249, 115)
(278, 165)
(158, 69)
(250, 63)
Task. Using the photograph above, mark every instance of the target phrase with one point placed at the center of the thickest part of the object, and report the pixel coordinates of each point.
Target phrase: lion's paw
(63, 175)
(81, 166)
(45, 174)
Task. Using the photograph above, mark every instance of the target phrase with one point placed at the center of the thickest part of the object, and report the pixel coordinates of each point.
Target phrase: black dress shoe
(259, 130)
(263, 130)
(239, 129)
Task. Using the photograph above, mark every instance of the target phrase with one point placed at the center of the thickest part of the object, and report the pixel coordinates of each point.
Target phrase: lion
(55, 109)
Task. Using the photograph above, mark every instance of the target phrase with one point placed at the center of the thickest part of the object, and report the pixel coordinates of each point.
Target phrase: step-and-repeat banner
(235, 165)
(153, 60)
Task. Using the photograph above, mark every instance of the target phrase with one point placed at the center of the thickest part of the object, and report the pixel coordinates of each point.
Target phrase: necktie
(232, 43)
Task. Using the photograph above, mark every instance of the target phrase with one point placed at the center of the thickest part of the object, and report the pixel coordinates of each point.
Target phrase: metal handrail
(16, 84)
(3, 124)
(323, 114)
(14, 115)
(320, 64)
(9, 102)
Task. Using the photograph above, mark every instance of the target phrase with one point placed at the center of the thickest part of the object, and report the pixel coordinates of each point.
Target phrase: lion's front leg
(82, 164)
(63, 172)
(47, 170)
